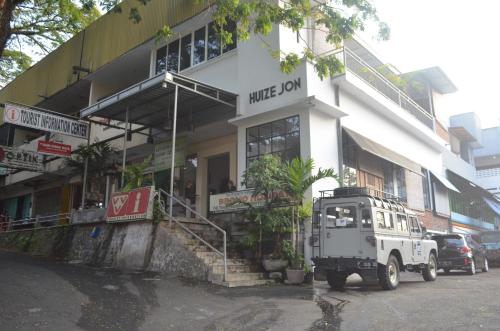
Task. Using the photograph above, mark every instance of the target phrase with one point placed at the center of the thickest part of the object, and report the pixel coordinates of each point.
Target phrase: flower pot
(274, 264)
(295, 276)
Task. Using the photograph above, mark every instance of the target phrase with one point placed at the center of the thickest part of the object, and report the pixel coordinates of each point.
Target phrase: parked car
(490, 240)
(460, 252)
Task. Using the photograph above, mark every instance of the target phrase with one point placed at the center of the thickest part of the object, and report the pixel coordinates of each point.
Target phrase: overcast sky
(461, 37)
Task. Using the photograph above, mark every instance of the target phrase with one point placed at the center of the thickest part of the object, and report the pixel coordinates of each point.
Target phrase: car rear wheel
(430, 271)
(472, 270)
(388, 275)
(336, 280)
(486, 267)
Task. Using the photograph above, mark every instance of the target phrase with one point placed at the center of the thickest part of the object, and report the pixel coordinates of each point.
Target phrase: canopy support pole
(124, 158)
(85, 172)
(172, 165)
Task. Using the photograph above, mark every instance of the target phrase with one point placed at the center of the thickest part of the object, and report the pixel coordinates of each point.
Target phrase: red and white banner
(53, 148)
(131, 206)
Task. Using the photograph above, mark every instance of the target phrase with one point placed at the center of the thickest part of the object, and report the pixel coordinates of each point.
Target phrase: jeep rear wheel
(388, 275)
(430, 271)
(336, 280)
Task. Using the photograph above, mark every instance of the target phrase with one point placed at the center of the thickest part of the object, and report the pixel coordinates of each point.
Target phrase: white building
(234, 106)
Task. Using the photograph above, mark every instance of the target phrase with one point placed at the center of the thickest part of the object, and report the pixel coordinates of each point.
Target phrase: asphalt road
(41, 294)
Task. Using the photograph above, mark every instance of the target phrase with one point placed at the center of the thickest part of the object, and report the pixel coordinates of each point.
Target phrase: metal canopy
(151, 102)
(383, 152)
(445, 181)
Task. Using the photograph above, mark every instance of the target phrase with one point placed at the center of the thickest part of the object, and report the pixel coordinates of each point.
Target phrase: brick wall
(433, 222)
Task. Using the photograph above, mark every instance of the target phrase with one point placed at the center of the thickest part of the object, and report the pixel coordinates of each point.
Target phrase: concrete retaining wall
(133, 246)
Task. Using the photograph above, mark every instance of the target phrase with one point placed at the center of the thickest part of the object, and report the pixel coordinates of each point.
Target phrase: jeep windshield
(341, 217)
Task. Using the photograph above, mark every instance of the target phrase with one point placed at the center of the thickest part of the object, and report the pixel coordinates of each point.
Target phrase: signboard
(133, 205)
(15, 158)
(53, 148)
(163, 154)
(274, 91)
(238, 200)
(35, 119)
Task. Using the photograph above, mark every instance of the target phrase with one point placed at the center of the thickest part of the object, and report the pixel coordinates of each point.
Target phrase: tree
(39, 26)
(30, 27)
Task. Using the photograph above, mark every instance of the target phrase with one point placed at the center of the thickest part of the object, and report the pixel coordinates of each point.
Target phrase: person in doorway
(227, 186)
(230, 186)
(190, 196)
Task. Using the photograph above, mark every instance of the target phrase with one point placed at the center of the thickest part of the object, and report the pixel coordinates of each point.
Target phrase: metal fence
(7, 225)
(492, 172)
(354, 64)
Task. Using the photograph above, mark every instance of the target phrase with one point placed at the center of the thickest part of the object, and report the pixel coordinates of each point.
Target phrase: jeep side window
(380, 220)
(341, 217)
(402, 223)
(414, 225)
(389, 221)
(366, 218)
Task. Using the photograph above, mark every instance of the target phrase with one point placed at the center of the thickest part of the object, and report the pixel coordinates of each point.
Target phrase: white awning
(443, 180)
(383, 152)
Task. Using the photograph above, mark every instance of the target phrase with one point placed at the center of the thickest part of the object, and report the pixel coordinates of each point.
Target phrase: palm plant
(299, 179)
(134, 175)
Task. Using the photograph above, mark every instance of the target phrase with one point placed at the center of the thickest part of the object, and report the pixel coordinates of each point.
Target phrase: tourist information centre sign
(15, 158)
(133, 205)
(43, 121)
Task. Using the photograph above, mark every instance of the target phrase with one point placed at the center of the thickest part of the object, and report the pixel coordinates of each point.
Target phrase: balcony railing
(493, 172)
(357, 66)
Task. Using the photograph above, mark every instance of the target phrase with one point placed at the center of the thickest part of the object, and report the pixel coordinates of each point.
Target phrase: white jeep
(374, 237)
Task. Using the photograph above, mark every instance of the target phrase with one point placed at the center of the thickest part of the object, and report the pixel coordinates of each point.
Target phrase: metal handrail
(200, 217)
(427, 119)
(35, 221)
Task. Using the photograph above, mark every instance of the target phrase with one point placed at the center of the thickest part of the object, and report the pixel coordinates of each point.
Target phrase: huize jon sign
(131, 206)
(274, 91)
(42, 121)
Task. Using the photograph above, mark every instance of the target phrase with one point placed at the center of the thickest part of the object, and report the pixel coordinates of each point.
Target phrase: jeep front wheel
(430, 271)
(388, 275)
(336, 280)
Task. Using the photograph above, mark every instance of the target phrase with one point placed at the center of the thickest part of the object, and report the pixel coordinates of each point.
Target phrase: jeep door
(340, 233)
(418, 253)
(404, 238)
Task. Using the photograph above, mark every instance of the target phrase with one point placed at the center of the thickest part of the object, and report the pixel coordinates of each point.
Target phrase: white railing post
(225, 255)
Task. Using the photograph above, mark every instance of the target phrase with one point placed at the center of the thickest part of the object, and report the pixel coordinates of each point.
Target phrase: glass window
(199, 46)
(401, 182)
(231, 27)
(341, 217)
(213, 42)
(366, 218)
(415, 228)
(425, 186)
(402, 223)
(281, 138)
(380, 220)
(173, 56)
(186, 52)
(161, 60)
(388, 177)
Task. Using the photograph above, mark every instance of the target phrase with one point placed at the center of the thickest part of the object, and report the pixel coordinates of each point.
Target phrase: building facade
(235, 105)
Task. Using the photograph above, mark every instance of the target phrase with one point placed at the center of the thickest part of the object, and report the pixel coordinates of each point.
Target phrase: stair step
(232, 277)
(244, 283)
(235, 268)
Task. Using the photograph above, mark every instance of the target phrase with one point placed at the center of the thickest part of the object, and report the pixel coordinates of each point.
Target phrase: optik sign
(274, 91)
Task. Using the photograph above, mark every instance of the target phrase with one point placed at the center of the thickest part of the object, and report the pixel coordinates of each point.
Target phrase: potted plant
(295, 271)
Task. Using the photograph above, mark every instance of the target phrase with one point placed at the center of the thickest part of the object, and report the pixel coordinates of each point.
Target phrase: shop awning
(151, 102)
(493, 204)
(443, 180)
(383, 152)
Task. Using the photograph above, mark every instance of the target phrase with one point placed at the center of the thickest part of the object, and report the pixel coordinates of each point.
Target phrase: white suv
(374, 237)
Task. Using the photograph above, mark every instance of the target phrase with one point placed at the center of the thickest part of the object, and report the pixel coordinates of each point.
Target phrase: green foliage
(36, 28)
(299, 177)
(99, 155)
(266, 176)
(134, 175)
(295, 260)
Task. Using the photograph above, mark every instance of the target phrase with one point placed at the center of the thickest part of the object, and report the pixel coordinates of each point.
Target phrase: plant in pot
(266, 177)
(295, 271)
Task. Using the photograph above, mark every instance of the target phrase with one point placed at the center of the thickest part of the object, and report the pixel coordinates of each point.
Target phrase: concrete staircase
(240, 272)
